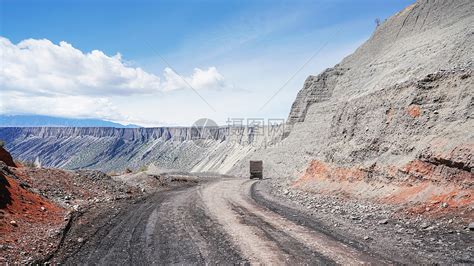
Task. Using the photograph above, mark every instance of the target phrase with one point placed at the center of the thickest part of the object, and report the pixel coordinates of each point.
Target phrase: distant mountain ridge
(115, 149)
(52, 121)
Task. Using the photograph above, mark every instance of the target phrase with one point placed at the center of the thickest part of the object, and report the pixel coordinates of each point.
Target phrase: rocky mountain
(403, 95)
(114, 149)
(392, 123)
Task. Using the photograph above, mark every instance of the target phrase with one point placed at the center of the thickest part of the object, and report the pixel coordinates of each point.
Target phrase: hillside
(405, 94)
(392, 122)
(39, 207)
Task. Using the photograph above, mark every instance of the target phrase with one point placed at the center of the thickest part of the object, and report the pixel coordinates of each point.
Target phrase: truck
(256, 169)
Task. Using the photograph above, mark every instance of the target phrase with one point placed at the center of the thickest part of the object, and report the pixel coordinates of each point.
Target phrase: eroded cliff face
(398, 110)
(114, 149)
(315, 89)
(421, 39)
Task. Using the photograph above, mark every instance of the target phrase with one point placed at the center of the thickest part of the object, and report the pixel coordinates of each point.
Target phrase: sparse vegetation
(27, 163)
(113, 173)
(143, 168)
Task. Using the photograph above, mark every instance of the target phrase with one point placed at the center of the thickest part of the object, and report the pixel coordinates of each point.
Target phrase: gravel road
(223, 221)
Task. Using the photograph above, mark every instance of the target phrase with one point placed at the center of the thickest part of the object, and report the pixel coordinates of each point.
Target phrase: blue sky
(253, 47)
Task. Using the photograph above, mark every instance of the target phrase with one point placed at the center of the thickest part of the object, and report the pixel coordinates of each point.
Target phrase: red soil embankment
(419, 186)
(6, 157)
(30, 224)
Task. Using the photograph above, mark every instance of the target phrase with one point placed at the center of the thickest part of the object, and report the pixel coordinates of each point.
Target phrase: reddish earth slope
(30, 225)
(6, 157)
(36, 206)
(422, 191)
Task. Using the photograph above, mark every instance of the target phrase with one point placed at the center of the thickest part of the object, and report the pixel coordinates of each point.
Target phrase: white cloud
(40, 77)
(40, 67)
(200, 79)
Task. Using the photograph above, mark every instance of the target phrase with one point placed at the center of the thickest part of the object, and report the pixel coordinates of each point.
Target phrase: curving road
(226, 221)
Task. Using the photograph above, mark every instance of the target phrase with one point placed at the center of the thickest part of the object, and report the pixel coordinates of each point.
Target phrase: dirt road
(224, 221)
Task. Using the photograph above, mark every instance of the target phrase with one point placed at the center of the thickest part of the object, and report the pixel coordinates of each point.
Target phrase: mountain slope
(393, 121)
(421, 39)
(114, 149)
(342, 115)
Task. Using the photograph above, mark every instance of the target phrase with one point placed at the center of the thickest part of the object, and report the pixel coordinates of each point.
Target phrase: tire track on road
(216, 222)
(296, 252)
(221, 196)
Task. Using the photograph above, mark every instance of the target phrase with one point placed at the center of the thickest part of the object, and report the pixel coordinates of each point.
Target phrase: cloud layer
(38, 76)
(40, 67)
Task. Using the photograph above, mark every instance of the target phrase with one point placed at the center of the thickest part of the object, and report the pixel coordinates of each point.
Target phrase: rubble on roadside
(384, 225)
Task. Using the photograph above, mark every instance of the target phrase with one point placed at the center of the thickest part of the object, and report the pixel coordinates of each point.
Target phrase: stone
(424, 225)
(383, 221)
(471, 226)
(80, 240)
(12, 222)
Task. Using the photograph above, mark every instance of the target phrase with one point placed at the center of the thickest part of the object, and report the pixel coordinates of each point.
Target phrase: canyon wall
(115, 149)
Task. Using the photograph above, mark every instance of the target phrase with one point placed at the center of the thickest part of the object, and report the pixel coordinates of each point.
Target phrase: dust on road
(214, 222)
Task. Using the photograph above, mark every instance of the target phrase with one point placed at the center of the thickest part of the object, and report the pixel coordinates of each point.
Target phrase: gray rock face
(421, 39)
(127, 134)
(315, 89)
(404, 95)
